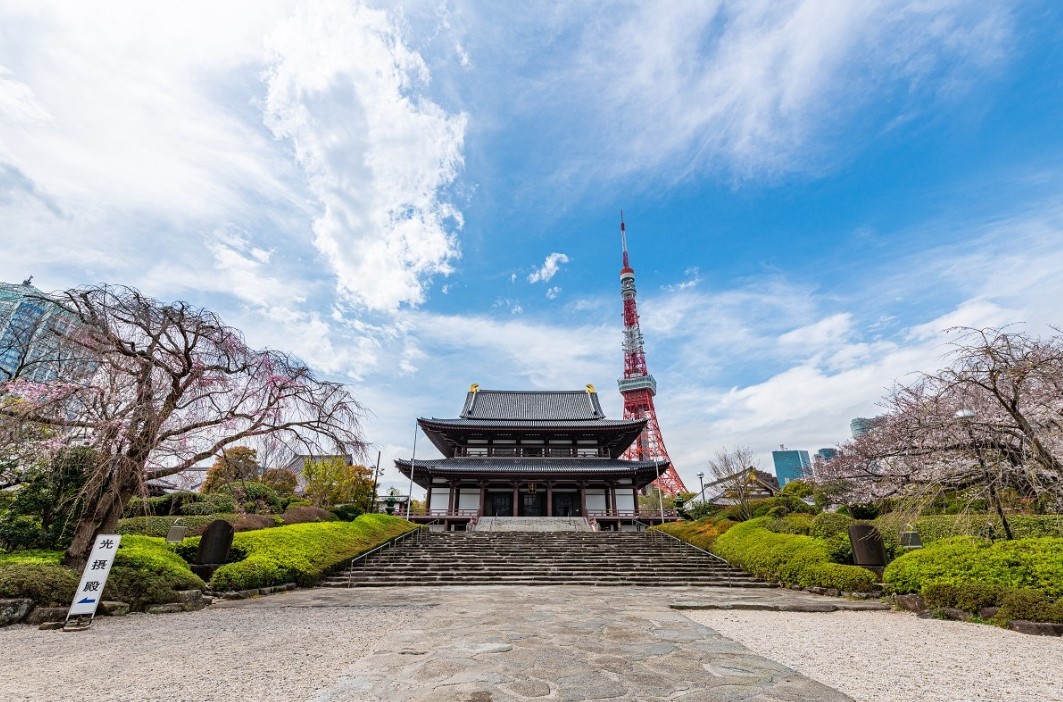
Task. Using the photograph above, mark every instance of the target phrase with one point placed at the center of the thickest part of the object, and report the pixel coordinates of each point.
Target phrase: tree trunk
(105, 510)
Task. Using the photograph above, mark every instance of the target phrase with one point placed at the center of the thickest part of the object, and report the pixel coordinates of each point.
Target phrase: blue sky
(416, 198)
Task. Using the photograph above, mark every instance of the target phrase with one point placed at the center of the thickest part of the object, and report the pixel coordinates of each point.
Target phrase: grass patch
(303, 553)
(702, 534)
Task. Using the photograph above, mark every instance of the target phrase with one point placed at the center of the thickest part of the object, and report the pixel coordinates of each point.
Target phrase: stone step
(511, 557)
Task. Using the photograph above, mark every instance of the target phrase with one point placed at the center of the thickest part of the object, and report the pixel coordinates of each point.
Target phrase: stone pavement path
(493, 644)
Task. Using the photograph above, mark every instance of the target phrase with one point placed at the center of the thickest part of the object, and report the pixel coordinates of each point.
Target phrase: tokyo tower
(638, 387)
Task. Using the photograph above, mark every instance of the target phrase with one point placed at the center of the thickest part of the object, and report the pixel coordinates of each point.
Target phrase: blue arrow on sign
(87, 600)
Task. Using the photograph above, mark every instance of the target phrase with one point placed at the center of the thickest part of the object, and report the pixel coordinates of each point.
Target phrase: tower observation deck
(638, 387)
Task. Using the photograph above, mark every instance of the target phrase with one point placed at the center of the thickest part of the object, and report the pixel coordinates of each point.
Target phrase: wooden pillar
(583, 498)
(483, 499)
(453, 498)
(635, 497)
(516, 498)
(549, 499)
(612, 498)
(428, 498)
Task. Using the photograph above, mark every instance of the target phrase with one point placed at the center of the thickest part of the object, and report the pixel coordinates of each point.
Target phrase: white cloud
(549, 269)
(343, 88)
(825, 332)
(553, 292)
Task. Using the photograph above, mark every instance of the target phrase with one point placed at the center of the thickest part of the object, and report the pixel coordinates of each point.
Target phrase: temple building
(532, 454)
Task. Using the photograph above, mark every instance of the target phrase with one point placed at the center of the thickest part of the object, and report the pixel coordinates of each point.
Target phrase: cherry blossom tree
(164, 387)
(989, 421)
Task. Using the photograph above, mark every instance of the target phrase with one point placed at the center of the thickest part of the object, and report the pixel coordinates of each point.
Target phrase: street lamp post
(966, 417)
(701, 481)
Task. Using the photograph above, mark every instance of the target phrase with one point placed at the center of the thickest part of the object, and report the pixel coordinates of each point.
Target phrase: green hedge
(145, 572)
(792, 559)
(158, 526)
(702, 533)
(303, 553)
(1023, 526)
(1028, 563)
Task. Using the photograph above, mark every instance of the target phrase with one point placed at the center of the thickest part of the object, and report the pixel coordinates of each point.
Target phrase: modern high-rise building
(862, 425)
(826, 454)
(32, 330)
(790, 465)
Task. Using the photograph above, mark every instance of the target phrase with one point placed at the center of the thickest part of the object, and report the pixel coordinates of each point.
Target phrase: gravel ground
(897, 657)
(214, 654)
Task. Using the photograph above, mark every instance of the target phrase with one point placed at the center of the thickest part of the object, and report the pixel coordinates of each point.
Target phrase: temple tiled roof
(532, 405)
(608, 424)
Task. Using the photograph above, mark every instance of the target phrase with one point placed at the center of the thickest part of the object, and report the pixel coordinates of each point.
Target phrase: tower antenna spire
(638, 387)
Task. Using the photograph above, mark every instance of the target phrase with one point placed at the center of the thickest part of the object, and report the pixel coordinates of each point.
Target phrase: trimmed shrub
(796, 523)
(214, 503)
(254, 496)
(302, 515)
(1023, 526)
(47, 584)
(828, 524)
(254, 522)
(158, 526)
(786, 558)
(347, 513)
(961, 560)
(146, 572)
(1022, 603)
(303, 553)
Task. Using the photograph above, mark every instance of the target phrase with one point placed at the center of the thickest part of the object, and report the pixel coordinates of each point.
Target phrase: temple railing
(632, 514)
(444, 513)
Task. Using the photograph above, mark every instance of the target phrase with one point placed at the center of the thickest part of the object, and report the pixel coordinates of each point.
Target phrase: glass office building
(790, 465)
(32, 329)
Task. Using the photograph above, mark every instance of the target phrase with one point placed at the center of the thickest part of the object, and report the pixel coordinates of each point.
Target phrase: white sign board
(98, 567)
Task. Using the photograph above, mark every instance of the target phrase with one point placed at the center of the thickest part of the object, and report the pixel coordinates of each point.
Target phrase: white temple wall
(469, 498)
(624, 499)
(595, 500)
(440, 495)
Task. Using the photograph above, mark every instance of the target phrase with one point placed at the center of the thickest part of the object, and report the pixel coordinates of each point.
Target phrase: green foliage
(843, 577)
(164, 505)
(1026, 563)
(255, 497)
(797, 523)
(792, 559)
(215, 503)
(45, 509)
(47, 584)
(146, 572)
(969, 597)
(1022, 603)
(828, 524)
(798, 488)
(333, 482)
(700, 509)
(302, 515)
(1024, 526)
(347, 513)
(303, 553)
(158, 526)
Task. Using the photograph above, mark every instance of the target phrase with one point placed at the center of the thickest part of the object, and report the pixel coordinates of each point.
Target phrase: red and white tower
(638, 387)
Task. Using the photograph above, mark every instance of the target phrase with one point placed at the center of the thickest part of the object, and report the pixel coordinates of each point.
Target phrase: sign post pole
(93, 580)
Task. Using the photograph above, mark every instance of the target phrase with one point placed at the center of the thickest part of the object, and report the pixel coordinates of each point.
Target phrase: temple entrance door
(499, 504)
(532, 505)
(566, 504)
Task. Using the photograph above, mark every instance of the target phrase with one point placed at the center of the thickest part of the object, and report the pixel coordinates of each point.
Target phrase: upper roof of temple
(532, 405)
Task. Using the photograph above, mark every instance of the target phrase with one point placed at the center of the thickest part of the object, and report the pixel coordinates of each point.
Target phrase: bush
(146, 572)
(47, 584)
(347, 513)
(20, 531)
(791, 559)
(303, 553)
(301, 515)
(1023, 526)
(798, 523)
(214, 503)
(1022, 603)
(828, 524)
(159, 526)
(255, 497)
(1026, 563)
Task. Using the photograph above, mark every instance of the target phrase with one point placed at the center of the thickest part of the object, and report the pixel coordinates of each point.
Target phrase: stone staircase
(533, 524)
(504, 557)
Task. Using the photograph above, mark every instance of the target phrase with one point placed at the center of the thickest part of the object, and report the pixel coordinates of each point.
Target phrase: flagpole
(413, 461)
